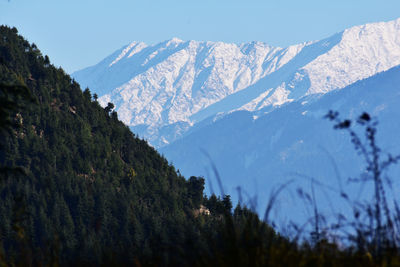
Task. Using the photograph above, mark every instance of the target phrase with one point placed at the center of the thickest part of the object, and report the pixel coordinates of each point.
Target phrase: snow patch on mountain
(191, 78)
(363, 51)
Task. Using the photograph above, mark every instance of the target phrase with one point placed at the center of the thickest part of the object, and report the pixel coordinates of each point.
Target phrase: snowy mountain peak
(163, 89)
(132, 49)
(174, 40)
(362, 52)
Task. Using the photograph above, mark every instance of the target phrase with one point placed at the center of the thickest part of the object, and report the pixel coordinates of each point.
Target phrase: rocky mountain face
(162, 91)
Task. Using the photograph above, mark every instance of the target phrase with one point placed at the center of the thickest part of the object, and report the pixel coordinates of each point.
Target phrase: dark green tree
(109, 108)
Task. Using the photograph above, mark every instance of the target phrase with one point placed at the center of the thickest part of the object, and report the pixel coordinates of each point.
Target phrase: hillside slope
(82, 189)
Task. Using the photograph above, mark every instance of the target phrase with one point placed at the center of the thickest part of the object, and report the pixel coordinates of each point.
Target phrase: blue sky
(76, 34)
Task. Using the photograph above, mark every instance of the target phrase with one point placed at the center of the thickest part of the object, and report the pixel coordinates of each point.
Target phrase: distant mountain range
(255, 113)
(162, 90)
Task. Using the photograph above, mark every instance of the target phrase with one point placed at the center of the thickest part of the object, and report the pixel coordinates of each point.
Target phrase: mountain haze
(261, 150)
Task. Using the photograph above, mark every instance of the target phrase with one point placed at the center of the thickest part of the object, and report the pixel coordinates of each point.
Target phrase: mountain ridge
(162, 90)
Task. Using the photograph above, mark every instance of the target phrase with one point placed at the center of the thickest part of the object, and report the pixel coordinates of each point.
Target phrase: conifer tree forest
(77, 187)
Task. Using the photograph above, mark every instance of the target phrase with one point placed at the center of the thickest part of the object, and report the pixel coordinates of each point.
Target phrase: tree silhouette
(109, 108)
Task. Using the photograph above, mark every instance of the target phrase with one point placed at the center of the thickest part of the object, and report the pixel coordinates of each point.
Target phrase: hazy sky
(76, 34)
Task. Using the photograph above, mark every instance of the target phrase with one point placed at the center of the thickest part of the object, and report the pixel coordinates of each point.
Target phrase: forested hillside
(78, 187)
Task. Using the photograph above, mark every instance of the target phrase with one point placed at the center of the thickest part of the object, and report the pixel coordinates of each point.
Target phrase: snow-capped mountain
(162, 90)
